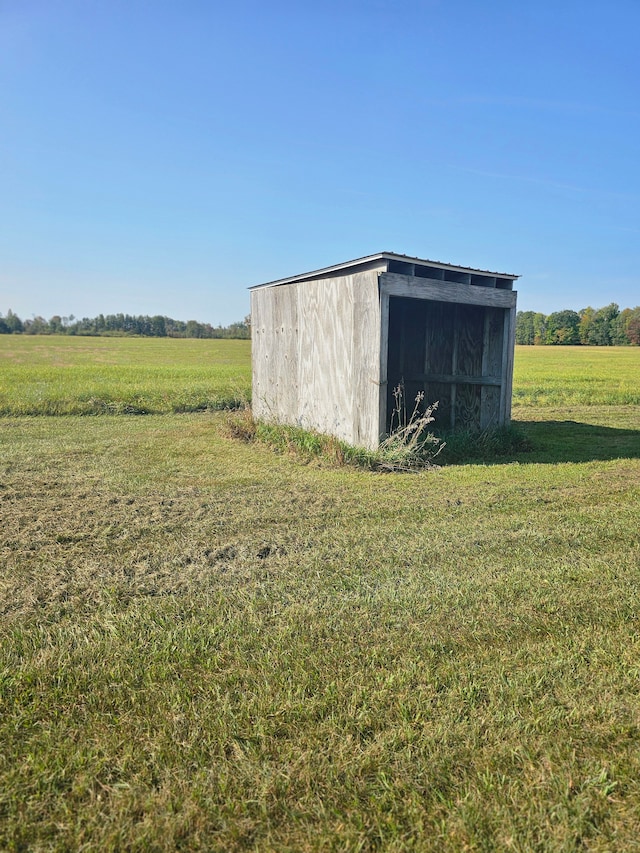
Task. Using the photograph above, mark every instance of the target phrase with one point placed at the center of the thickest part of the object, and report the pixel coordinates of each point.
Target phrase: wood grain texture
(328, 352)
(383, 396)
(366, 361)
(469, 322)
(492, 354)
(448, 378)
(316, 355)
(445, 291)
(509, 352)
(467, 406)
(440, 323)
(275, 352)
(326, 357)
(460, 347)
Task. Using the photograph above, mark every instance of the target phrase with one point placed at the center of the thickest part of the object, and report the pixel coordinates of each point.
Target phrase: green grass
(395, 454)
(580, 376)
(59, 375)
(42, 375)
(205, 645)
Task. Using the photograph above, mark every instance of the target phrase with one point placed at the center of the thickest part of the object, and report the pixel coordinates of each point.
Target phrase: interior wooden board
(489, 407)
(469, 326)
(467, 406)
(440, 337)
(440, 393)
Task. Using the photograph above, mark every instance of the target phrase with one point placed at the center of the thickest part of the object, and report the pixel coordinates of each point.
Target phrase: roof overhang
(370, 261)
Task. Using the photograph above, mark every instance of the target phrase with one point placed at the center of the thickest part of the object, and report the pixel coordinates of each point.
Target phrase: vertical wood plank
(492, 366)
(366, 359)
(508, 355)
(325, 367)
(384, 356)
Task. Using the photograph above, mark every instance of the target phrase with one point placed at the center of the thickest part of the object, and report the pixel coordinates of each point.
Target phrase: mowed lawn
(208, 646)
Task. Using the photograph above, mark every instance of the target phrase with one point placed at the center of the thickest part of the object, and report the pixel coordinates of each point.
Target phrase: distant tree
(240, 329)
(13, 323)
(175, 328)
(586, 321)
(619, 328)
(194, 329)
(55, 325)
(539, 328)
(158, 326)
(524, 328)
(36, 326)
(563, 327)
(602, 328)
(632, 326)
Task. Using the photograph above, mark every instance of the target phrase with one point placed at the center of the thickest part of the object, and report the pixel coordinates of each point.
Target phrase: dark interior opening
(453, 353)
(429, 272)
(400, 267)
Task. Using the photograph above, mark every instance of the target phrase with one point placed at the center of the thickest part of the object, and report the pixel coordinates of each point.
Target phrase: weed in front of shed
(408, 447)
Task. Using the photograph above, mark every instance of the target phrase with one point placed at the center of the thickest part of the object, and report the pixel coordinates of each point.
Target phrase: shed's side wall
(316, 355)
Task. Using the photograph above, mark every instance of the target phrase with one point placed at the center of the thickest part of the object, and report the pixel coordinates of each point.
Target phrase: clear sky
(160, 157)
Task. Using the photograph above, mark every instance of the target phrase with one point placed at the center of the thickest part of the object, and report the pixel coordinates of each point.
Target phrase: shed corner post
(384, 358)
(510, 316)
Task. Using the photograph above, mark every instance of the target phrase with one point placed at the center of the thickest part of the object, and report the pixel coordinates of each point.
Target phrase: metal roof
(381, 256)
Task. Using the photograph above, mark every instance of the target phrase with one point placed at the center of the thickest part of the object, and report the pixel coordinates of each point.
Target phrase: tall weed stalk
(408, 447)
(409, 444)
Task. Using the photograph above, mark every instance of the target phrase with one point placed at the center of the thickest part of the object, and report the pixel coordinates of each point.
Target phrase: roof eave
(379, 256)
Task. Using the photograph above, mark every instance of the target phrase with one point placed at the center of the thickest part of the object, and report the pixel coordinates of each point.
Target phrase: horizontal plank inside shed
(457, 378)
(412, 287)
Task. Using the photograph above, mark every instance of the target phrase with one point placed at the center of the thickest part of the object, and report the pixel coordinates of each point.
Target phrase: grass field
(208, 646)
(581, 376)
(84, 376)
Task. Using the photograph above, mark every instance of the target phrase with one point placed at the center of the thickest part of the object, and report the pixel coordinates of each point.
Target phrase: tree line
(602, 327)
(121, 324)
(606, 326)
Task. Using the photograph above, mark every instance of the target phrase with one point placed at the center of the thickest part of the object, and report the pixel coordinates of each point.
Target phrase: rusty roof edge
(380, 256)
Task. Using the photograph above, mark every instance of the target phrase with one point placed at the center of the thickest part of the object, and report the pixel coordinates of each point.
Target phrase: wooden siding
(327, 352)
(393, 284)
(316, 355)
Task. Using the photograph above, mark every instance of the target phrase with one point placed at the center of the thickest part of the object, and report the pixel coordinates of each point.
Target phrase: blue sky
(161, 157)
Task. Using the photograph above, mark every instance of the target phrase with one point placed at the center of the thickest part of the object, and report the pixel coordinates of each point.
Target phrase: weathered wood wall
(316, 355)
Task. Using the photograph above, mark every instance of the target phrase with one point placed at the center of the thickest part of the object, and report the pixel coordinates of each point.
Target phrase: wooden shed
(329, 346)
